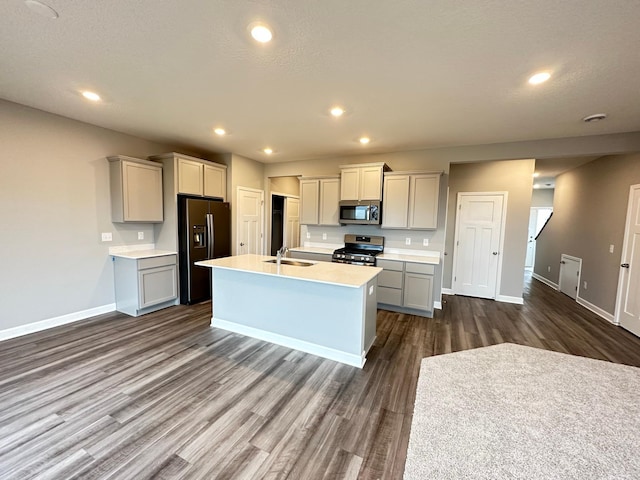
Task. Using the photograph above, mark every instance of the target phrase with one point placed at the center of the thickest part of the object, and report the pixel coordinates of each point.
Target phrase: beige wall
(54, 204)
(542, 197)
(514, 177)
(589, 215)
(285, 185)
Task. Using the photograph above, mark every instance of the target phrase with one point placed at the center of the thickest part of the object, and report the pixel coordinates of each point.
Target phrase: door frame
(505, 198)
(270, 226)
(237, 217)
(625, 244)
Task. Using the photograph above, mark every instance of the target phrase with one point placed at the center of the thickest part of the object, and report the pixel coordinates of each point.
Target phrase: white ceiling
(412, 74)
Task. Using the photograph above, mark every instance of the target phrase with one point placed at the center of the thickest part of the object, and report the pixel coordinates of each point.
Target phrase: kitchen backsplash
(396, 239)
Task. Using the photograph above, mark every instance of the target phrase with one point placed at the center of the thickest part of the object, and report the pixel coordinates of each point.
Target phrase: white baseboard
(437, 305)
(545, 281)
(447, 291)
(303, 346)
(508, 299)
(55, 322)
(597, 310)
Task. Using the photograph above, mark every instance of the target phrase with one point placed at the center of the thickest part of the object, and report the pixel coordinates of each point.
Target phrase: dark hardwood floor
(165, 396)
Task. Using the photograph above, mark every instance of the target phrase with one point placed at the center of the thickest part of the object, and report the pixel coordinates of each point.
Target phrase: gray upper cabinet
(362, 181)
(194, 176)
(319, 198)
(136, 190)
(411, 200)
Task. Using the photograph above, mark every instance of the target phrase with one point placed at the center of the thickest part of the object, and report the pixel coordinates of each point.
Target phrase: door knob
(495, 253)
(241, 244)
(625, 265)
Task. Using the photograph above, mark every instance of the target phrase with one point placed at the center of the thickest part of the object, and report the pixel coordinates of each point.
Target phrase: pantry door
(249, 221)
(628, 304)
(478, 241)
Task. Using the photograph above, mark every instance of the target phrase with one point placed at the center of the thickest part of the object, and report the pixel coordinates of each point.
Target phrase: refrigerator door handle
(210, 235)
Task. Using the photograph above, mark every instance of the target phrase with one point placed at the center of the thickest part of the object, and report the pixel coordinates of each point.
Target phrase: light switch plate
(107, 237)
(610, 248)
(425, 242)
(324, 236)
(140, 235)
(308, 234)
(407, 241)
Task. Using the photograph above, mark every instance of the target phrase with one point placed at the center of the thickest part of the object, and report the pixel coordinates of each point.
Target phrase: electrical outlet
(107, 237)
(584, 284)
(324, 236)
(549, 268)
(610, 248)
(407, 241)
(425, 242)
(308, 235)
(140, 235)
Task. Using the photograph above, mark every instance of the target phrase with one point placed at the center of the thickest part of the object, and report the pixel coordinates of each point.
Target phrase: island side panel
(370, 314)
(330, 316)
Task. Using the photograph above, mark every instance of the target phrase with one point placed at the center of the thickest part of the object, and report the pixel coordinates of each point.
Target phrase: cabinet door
(350, 184)
(371, 183)
(157, 285)
(190, 177)
(418, 291)
(423, 201)
(142, 192)
(329, 201)
(395, 205)
(215, 182)
(309, 195)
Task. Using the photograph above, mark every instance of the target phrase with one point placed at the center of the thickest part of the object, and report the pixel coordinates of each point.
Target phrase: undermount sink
(294, 263)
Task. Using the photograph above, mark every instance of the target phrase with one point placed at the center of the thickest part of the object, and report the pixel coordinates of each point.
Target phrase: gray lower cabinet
(406, 287)
(316, 257)
(145, 285)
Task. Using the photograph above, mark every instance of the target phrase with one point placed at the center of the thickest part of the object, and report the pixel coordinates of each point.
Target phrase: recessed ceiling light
(337, 111)
(596, 117)
(41, 9)
(364, 140)
(261, 33)
(539, 78)
(219, 131)
(94, 97)
(267, 150)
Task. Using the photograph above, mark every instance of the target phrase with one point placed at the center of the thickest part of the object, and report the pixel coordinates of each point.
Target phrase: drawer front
(389, 265)
(389, 278)
(420, 268)
(390, 296)
(156, 261)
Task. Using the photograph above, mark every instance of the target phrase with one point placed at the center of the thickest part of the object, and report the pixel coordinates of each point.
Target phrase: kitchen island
(326, 309)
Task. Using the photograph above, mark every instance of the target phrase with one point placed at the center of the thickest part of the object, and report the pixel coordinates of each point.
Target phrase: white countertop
(322, 272)
(138, 254)
(432, 258)
(322, 250)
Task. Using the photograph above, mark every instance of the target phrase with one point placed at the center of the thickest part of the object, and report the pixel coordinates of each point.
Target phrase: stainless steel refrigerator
(204, 233)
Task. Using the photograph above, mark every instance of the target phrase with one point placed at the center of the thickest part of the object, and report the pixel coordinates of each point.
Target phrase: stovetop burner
(359, 250)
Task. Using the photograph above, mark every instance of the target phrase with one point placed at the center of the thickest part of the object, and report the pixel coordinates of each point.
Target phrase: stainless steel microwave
(363, 212)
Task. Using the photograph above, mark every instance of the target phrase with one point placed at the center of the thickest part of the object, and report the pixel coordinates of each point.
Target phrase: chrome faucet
(282, 252)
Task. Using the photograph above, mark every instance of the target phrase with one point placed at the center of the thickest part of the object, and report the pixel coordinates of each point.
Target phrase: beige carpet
(514, 412)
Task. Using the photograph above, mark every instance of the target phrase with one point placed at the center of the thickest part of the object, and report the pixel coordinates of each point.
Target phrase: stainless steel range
(359, 250)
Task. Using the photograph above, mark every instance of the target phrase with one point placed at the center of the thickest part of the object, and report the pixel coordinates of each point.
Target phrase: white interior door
(531, 242)
(628, 304)
(249, 220)
(292, 222)
(570, 275)
(478, 243)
